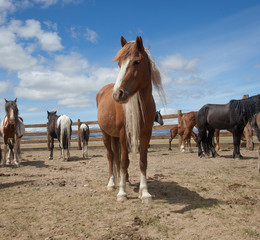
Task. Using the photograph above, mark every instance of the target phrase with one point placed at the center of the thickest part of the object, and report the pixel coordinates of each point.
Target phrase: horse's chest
(9, 132)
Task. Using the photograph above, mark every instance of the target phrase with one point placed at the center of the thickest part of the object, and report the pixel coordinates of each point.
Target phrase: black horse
(158, 117)
(233, 115)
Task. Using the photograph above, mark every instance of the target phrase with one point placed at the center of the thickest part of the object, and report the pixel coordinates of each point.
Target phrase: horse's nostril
(121, 93)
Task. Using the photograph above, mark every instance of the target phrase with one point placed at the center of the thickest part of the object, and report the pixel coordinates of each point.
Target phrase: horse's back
(215, 116)
(110, 114)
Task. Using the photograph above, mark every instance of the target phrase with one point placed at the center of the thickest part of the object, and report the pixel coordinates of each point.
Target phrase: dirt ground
(193, 198)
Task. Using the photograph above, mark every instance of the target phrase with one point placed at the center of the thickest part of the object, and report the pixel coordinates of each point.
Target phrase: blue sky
(57, 54)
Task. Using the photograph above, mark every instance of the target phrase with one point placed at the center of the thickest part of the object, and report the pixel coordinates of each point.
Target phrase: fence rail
(43, 138)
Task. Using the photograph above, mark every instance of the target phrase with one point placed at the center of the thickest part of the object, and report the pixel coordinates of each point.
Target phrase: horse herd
(126, 111)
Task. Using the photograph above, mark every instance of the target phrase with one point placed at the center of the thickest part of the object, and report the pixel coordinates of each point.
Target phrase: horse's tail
(115, 145)
(64, 123)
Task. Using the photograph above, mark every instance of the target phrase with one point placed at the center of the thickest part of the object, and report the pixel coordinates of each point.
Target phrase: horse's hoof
(50, 158)
(111, 188)
(146, 200)
(121, 198)
(170, 149)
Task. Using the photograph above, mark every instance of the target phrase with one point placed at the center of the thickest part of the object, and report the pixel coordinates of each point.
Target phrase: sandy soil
(193, 198)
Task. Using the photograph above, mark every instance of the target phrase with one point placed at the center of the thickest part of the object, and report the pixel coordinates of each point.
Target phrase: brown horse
(185, 130)
(12, 130)
(255, 124)
(126, 112)
(217, 133)
(177, 130)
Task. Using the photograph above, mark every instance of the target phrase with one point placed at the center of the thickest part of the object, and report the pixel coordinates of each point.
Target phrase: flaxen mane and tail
(134, 109)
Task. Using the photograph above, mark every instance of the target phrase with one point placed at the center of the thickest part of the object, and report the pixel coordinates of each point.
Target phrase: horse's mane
(129, 50)
(245, 109)
(12, 104)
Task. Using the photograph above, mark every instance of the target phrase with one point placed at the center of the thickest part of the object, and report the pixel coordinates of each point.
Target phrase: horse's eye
(136, 62)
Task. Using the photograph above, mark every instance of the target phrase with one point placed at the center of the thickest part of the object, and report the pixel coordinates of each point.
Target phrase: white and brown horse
(126, 112)
(84, 134)
(12, 130)
(59, 127)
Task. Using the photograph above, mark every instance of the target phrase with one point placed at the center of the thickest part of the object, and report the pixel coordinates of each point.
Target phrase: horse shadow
(14, 184)
(37, 164)
(173, 193)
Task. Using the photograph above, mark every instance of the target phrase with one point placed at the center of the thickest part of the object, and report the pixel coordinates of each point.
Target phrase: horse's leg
(122, 196)
(83, 148)
(15, 149)
(201, 136)
(236, 142)
(217, 132)
(210, 143)
(51, 148)
(259, 158)
(173, 134)
(111, 178)
(143, 191)
(4, 157)
(189, 144)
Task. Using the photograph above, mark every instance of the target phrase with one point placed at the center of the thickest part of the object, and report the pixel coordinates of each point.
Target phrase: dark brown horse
(126, 112)
(233, 115)
(12, 129)
(185, 130)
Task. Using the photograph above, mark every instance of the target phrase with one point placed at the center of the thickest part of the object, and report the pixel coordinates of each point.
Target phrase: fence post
(179, 112)
(79, 137)
(248, 131)
(48, 137)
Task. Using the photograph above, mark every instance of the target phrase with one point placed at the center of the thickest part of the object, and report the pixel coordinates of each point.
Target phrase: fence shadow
(173, 193)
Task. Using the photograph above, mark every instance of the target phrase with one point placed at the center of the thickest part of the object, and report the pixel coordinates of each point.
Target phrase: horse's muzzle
(120, 96)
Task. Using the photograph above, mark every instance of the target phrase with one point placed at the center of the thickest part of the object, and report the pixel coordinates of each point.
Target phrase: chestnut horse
(126, 112)
(12, 129)
(233, 115)
(184, 130)
(255, 124)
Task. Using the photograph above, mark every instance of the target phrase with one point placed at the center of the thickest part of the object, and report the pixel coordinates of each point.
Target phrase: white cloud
(176, 62)
(71, 64)
(32, 109)
(4, 86)
(91, 35)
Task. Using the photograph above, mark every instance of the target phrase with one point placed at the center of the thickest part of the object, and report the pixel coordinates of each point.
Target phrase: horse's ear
(123, 41)
(139, 43)
(6, 100)
(15, 100)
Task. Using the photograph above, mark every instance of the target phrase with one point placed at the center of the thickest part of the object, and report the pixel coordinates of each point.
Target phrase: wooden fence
(41, 137)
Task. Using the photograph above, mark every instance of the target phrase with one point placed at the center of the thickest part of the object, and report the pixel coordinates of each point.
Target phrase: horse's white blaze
(11, 114)
(121, 75)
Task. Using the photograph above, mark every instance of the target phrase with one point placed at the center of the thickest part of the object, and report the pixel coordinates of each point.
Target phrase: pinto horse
(233, 115)
(59, 127)
(126, 112)
(255, 124)
(12, 129)
(185, 130)
(84, 134)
